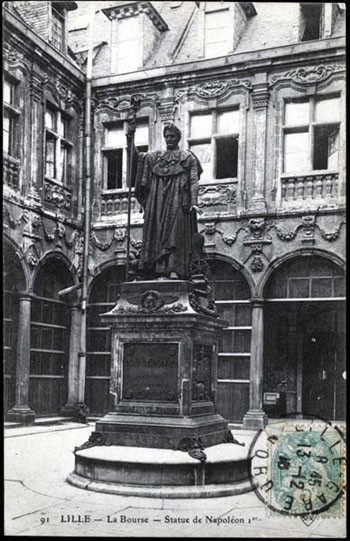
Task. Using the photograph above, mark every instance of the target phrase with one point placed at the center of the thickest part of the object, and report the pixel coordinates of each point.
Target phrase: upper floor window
(115, 153)
(217, 33)
(57, 29)
(311, 134)
(10, 115)
(214, 139)
(310, 21)
(58, 148)
(127, 51)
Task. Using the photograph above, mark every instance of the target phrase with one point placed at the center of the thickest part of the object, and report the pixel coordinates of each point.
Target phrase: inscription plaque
(150, 371)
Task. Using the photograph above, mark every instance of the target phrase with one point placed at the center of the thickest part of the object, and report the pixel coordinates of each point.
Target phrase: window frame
(105, 149)
(13, 113)
(60, 141)
(60, 16)
(212, 139)
(310, 129)
(116, 42)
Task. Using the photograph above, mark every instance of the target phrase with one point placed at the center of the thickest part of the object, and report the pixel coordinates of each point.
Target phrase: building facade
(258, 91)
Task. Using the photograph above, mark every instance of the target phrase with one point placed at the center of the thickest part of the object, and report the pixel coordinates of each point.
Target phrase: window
(310, 21)
(115, 153)
(232, 296)
(218, 33)
(311, 134)
(10, 114)
(57, 145)
(103, 297)
(57, 29)
(127, 52)
(214, 140)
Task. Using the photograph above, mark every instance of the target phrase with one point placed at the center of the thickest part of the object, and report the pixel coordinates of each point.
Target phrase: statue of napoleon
(166, 185)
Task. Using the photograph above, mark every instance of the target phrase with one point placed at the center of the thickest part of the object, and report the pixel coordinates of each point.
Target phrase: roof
(262, 25)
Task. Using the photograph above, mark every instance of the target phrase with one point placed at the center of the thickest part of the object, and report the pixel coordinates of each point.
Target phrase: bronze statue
(166, 185)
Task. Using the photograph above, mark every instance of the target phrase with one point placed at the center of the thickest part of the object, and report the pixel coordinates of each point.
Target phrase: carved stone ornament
(123, 103)
(152, 301)
(63, 92)
(330, 236)
(210, 89)
(57, 195)
(201, 372)
(216, 195)
(95, 438)
(194, 447)
(257, 227)
(257, 264)
(32, 256)
(10, 54)
(13, 222)
(309, 75)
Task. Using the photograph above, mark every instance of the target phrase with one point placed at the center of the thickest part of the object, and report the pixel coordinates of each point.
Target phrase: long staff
(135, 104)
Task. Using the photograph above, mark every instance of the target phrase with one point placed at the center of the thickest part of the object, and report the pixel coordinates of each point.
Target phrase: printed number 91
(44, 519)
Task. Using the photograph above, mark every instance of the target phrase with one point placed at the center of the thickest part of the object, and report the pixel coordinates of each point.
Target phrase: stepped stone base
(163, 473)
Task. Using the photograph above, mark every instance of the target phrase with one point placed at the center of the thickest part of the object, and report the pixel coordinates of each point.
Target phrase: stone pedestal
(164, 368)
(163, 437)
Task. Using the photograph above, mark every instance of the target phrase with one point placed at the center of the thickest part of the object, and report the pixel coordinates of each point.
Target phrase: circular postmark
(298, 466)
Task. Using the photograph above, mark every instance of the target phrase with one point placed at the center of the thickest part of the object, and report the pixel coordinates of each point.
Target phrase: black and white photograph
(174, 251)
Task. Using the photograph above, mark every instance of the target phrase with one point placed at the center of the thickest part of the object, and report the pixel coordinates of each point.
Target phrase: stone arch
(48, 257)
(304, 342)
(302, 252)
(13, 255)
(100, 270)
(236, 265)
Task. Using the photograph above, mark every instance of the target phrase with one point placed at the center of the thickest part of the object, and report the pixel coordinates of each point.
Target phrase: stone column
(256, 418)
(21, 412)
(260, 99)
(73, 367)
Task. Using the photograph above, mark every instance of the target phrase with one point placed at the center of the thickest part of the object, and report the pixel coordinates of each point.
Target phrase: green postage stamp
(298, 468)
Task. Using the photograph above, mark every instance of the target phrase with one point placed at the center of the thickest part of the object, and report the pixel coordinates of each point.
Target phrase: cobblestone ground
(39, 501)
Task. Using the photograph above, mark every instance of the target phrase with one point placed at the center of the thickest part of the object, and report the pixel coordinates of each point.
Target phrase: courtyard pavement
(39, 501)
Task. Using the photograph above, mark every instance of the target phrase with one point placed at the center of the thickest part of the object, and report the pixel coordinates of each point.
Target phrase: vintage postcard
(174, 269)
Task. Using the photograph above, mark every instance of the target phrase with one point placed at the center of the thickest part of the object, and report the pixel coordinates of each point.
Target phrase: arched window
(103, 297)
(49, 347)
(232, 294)
(307, 277)
(304, 339)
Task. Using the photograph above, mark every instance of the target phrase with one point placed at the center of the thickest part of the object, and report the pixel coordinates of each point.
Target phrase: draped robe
(167, 186)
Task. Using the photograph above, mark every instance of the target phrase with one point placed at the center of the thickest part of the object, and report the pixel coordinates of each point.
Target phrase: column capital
(24, 295)
(260, 95)
(257, 303)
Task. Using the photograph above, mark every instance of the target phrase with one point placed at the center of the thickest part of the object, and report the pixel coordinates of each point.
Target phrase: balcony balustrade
(318, 188)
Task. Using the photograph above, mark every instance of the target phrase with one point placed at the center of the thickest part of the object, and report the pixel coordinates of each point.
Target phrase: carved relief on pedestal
(201, 372)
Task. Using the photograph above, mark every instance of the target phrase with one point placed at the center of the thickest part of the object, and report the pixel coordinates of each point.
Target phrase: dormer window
(135, 30)
(128, 49)
(224, 24)
(317, 20)
(218, 33)
(57, 29)
(311, 21)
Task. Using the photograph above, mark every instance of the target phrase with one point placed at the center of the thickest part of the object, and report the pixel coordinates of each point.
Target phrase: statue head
(172, 136)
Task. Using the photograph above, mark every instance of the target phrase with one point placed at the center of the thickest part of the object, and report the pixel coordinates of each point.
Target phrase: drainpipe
(87, 219)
